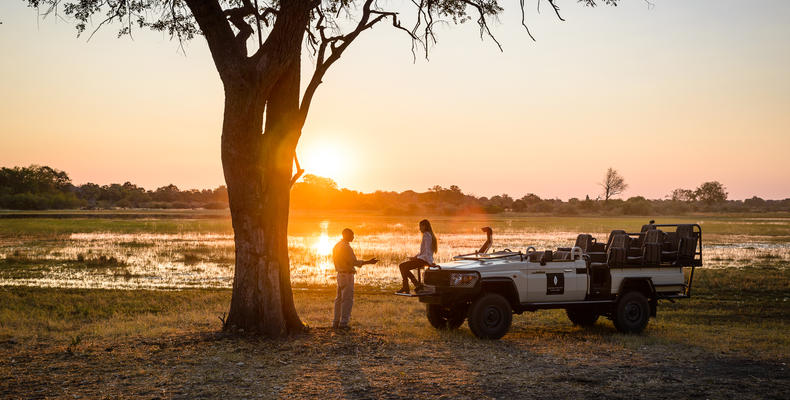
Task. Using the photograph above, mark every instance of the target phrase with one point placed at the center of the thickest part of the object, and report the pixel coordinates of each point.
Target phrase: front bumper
(438, 289)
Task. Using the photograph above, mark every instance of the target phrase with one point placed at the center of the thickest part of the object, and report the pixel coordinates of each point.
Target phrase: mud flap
(653, 307)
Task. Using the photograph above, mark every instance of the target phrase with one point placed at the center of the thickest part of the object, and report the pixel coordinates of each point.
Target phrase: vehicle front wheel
(445, 317)
(582, 316)
(490, 316)
(631, 313)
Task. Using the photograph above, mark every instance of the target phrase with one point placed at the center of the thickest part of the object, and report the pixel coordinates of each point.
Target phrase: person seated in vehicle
(489, 240)
(428, 248)
(650, 225)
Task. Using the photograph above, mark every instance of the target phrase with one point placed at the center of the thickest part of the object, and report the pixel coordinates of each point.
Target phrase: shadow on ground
(364, 364)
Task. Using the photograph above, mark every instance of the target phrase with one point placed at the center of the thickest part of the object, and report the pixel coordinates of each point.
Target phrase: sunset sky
(671, 96)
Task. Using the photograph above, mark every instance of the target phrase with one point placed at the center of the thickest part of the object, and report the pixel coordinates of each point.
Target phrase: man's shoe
(343, 328)
(419, 288)
(403, 290)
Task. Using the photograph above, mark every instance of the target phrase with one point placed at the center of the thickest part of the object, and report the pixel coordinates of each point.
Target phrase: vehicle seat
(599, 250)
(687, 247)
(651, 248)
(617, 254)
(541, 256)
(583, 241)
(683, 236)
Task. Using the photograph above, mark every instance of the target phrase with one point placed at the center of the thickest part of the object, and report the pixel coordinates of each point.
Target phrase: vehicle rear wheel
(445, 317)
(631, 313)
(582, 316)
(490, 316)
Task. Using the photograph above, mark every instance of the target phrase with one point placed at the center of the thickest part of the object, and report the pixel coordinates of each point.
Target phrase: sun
(324, 159)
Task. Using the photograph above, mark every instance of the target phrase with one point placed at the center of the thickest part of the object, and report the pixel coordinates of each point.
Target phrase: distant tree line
(40, 188)
(314, 192)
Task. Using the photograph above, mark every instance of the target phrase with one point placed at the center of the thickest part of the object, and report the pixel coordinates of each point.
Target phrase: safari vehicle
(622, 279)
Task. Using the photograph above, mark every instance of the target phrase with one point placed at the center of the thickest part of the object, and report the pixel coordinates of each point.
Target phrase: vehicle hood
(483, 265)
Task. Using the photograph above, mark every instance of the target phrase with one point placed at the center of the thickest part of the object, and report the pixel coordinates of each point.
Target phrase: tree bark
(257, 172)
(258, 165)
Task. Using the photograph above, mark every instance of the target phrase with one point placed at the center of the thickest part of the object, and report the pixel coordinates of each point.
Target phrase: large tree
(257, 47)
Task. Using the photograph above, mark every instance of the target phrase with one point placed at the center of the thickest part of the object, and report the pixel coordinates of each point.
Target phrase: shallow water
(205, 260)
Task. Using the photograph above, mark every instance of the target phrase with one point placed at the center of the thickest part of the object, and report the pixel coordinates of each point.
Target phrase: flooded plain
(157, 254)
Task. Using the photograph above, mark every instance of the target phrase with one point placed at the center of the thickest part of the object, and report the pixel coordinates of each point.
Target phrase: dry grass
(114, 343)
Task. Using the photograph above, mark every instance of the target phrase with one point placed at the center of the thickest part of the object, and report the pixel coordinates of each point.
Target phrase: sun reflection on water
(323, 249)
(322, 246)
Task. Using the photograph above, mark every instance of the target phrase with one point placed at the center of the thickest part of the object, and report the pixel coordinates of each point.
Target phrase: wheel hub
(633, 313)
(493, 317)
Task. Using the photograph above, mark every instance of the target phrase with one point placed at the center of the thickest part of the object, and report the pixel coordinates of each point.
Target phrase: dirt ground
(364, 364)
(57, 343)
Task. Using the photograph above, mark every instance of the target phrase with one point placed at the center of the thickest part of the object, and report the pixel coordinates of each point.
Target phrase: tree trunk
(257, 166)
(258, 171)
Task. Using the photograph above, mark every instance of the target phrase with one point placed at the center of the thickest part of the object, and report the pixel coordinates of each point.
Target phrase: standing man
(345, 263)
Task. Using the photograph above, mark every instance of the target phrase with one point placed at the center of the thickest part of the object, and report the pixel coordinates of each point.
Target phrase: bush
(544, 207)
(637, 206)
(24, 201)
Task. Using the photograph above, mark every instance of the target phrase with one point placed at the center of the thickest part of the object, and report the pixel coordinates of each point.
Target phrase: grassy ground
(729, 341)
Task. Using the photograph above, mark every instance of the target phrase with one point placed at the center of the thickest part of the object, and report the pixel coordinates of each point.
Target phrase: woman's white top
(426, 250)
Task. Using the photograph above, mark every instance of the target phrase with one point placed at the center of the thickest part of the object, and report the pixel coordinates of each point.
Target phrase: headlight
(463, 280)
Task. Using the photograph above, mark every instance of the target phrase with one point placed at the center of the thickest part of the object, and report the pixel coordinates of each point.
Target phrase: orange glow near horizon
(326, 159)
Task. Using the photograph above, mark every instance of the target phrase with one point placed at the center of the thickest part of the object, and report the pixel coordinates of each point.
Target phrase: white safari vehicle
(622, 279)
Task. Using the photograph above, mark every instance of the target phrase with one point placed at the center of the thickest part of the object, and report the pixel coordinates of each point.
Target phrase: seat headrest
(654, 236)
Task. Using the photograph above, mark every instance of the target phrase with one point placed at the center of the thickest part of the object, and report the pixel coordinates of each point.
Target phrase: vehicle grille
(437, 278)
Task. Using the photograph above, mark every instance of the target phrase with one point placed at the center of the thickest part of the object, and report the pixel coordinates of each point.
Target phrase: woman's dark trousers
(405, 271)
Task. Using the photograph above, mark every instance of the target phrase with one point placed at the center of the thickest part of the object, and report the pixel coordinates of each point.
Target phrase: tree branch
(236, 17)
(482, 22)
(219, 36)
(299, 171)
(557, 9)
(523, 20)
(336, 45)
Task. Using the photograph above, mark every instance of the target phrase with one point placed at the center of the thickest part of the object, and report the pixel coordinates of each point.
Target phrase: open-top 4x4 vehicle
(622, 279)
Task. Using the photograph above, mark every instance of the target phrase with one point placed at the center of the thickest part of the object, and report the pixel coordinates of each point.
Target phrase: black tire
(445, 317)
(582, 316)
(490, 316)
(631, 313)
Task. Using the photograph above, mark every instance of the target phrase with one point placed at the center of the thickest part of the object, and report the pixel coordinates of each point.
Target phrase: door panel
(552, 282)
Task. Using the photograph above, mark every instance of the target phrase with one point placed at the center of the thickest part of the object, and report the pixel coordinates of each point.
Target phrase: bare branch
(482, 22)
(557, 9)
(336, 45)
(523, 22)
(299, 171)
